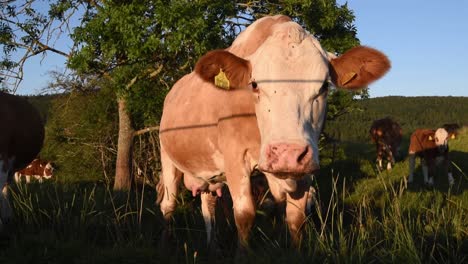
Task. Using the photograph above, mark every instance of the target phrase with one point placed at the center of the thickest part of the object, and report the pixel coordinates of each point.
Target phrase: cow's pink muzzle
(288, 160)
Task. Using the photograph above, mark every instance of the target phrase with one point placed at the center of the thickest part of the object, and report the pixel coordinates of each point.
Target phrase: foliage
(81, 135)
(144, 47)
(27, 29)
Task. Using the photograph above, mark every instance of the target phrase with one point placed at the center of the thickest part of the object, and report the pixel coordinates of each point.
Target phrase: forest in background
(410, 112)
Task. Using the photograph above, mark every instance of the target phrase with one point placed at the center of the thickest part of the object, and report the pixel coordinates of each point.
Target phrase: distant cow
(38, 169)
(387, 135)
(259, 103)
(21, 139)
(432, 148)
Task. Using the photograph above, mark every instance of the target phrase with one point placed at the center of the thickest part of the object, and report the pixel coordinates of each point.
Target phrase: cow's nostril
(303, 154)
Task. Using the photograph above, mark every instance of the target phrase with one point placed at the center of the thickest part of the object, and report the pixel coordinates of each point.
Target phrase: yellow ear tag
(348, 77)
(453, 136)
(431, 138)
(221, 80)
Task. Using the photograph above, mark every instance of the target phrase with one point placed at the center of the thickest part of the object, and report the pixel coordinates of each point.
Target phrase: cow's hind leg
(167, 191)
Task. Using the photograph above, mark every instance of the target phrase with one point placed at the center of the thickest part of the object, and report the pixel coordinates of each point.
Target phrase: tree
(143, 47)
(129, 42)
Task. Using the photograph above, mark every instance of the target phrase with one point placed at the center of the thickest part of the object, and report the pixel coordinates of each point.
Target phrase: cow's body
(387, 135)
(212, 136)
(431, 146)
(21, 138)
(38, 169)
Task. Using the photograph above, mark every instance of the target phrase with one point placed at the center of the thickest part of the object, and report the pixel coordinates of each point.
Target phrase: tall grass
(364, 216)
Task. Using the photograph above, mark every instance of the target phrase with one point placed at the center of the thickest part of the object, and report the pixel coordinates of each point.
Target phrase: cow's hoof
(430, 182)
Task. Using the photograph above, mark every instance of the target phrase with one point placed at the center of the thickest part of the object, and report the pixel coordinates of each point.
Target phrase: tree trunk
(123, 172)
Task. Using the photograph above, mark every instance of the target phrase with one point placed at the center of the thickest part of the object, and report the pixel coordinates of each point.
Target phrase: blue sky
(426, 40)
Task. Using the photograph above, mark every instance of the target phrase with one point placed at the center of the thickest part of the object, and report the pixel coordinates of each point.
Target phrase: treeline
(410, 112)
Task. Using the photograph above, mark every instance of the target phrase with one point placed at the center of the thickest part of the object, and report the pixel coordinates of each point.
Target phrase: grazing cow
(39, 169)
(386, 134)
(21, 139)
(431, 146)
(259, 103)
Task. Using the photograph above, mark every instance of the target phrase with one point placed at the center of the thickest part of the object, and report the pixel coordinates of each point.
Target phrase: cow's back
(22, 132)
(420, 143)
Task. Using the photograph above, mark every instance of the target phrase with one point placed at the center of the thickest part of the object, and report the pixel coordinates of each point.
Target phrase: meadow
(361, 216)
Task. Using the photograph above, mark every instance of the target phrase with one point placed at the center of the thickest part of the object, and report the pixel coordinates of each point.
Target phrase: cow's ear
(453, 136)
(224, 69)
(358, 67)
(431, 138)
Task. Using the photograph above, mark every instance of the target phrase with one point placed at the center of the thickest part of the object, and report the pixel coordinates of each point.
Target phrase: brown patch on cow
(421, 141)
(237, 70)
(263, 30)
(36, 168)
(358, 67)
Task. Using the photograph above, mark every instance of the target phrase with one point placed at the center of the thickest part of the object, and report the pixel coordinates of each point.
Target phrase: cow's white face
(48, 170)
(291, 74)
(441, 139)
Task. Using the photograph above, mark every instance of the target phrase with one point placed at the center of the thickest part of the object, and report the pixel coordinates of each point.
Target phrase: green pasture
(361, 216)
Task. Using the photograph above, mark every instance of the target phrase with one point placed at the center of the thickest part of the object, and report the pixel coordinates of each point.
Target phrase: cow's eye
(254, 86)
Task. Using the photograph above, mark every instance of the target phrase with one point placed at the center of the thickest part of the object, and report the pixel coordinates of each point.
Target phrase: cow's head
(440, 138)
(289, 76)
(48, 170)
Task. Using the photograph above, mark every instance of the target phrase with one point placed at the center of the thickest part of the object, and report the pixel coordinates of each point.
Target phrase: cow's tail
(160, 187)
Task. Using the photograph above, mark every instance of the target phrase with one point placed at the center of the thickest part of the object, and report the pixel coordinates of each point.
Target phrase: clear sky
(426, 40)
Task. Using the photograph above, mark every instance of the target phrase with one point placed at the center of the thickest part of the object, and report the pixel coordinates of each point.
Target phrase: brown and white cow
(38, 169)
(21, 139)
(387, 135)
(260, 102)
(431, 146)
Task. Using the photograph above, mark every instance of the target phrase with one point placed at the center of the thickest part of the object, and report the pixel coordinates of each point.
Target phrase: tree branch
(145, 130)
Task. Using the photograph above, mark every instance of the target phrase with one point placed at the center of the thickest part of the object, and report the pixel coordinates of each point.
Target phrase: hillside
(410, 112)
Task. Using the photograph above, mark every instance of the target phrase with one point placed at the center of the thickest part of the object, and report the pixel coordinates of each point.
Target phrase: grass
(362, 216)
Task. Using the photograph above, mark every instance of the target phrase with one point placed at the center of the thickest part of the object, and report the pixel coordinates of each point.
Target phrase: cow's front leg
(428, 169)
(390, 158)
(238, 179)
(448, 171)
(296, 203)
